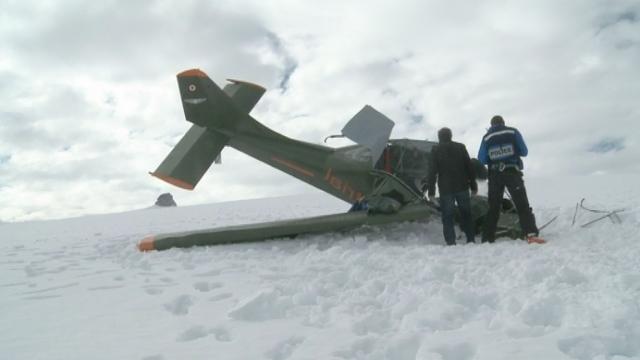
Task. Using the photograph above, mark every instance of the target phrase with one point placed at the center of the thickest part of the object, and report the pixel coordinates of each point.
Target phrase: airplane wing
(283, 228)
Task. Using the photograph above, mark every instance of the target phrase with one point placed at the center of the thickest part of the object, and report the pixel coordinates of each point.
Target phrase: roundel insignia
(192, 87)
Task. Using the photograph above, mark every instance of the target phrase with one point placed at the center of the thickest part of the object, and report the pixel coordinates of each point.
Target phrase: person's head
(497, 120)
(444, 135)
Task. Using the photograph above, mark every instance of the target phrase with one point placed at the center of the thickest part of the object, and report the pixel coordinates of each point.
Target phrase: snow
(78, 288)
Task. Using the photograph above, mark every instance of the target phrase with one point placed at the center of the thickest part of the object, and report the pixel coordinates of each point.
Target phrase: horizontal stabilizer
(191, 157)
(244, 94)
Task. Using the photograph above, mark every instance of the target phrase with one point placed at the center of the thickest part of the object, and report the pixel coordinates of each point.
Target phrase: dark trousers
(512, 180)
(447, 206)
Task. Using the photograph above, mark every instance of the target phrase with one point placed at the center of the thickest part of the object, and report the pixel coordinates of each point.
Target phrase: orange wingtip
(193, 72)
(147, 244)
(173, 181)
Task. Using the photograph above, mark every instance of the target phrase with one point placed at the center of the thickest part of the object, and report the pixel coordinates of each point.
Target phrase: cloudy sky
(90, 103)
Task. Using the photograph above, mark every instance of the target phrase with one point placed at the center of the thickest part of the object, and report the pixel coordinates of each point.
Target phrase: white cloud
(90, 102)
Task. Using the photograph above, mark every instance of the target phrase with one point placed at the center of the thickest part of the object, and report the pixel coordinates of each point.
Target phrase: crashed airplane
(387, 173)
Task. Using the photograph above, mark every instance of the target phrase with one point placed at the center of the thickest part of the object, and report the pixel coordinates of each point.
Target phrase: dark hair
(497, 120)
(444, 134)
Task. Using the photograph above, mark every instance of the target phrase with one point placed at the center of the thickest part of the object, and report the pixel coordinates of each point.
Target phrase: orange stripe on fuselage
(293, 166)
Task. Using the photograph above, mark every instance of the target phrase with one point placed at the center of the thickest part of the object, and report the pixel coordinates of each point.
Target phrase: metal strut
(612, 215)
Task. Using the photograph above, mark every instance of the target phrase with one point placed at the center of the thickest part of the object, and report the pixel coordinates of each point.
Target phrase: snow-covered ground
(79, 289)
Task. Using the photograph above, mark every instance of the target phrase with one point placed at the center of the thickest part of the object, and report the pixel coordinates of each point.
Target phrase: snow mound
(77, 288)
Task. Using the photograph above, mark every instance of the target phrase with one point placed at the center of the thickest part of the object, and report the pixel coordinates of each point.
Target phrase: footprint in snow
(193, 333)
(153, 357)
(284, 349)
(459, 351)
(362, 346)
(52, 288)
(180, 305)
(205, 286)
(21, 283)
(221, 334)
(220, 297)
(41, 297)
(199, 331)
(153, 291)
(208, 273)
(106, 287)
(594, 346)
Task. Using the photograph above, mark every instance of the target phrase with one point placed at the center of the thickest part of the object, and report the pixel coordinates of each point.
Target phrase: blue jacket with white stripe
(502, 144)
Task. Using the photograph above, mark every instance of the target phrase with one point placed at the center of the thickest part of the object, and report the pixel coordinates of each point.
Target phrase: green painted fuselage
(221, 118)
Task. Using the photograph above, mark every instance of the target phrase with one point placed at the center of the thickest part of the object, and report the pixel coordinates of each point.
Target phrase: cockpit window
(408, 160)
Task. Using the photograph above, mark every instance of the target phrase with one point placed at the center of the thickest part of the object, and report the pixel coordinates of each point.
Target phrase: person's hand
(431, 198)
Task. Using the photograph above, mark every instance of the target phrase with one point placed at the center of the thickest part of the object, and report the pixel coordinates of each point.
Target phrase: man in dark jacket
(501, 150)
(451, 166)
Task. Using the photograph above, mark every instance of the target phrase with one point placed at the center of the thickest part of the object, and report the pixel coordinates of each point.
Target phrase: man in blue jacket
(501, 150)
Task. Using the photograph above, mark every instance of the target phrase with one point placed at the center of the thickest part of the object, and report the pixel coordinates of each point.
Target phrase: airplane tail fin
(207, 105)
(216, 115)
